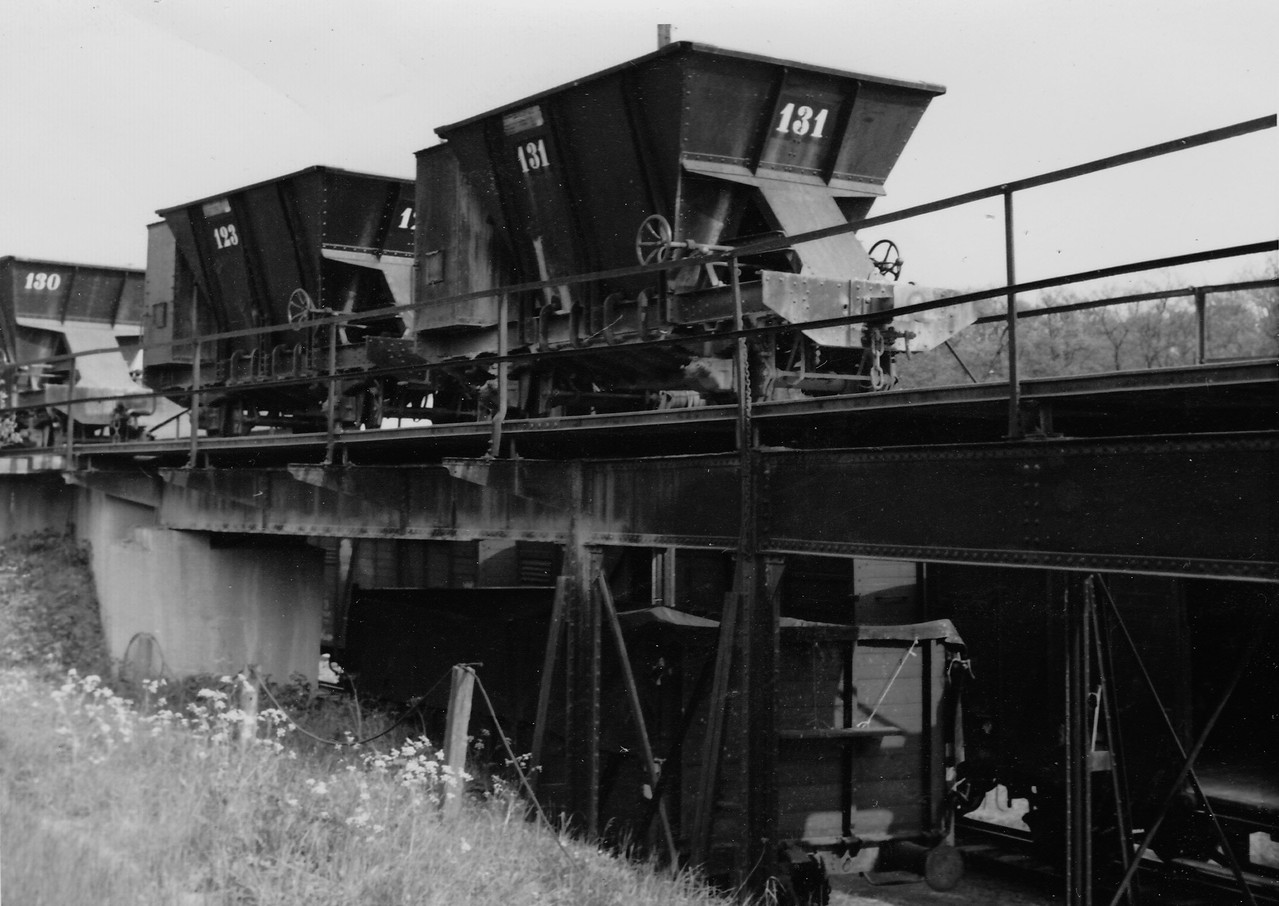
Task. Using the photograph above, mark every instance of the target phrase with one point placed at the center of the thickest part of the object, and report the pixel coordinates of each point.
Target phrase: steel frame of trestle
(1114, 731)
(637, 712)
(1078, 773)
(741, 715)
(1086, 637)
(1187, 770)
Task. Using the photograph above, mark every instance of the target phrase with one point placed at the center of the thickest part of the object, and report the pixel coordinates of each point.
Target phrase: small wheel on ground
(943, 867)
(803, 880)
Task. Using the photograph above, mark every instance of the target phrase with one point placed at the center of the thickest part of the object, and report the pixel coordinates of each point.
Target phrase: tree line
(1156, 333)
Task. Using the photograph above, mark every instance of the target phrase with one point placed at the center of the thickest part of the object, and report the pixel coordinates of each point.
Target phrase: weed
(49, 615)
(158, 801)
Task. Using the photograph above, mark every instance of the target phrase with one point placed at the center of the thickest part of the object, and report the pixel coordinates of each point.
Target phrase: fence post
(248, 706)
(459, 718)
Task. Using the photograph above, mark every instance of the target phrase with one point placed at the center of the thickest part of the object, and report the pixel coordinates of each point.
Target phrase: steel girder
(1181, 506)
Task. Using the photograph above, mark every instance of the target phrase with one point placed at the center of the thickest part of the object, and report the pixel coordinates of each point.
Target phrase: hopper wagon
(50, 309)
(265, 263)
(673, 157)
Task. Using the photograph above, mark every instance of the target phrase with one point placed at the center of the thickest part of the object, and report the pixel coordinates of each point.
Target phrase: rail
(1010, 292)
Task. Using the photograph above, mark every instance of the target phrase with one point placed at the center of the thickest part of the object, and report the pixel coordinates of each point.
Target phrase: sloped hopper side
(727, 147)
(319, 240)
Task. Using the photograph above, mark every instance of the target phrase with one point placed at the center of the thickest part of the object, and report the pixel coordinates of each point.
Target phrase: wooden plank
(825, 733)
(455, 737)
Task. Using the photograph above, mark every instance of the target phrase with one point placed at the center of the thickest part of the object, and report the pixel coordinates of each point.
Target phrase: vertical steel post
(590, 686)
(741, 367)
(549, 658)
(197, 365)
(1071, 778)
(1014, 384)
(70, 438)
(503, 379)
(582, 674)
(1078, 781)
(194, 411)
(331, 414)
(749, 638)
(1083, 742)
(1201, 326)
(761, 777)
(1114, 731)
(716, 717)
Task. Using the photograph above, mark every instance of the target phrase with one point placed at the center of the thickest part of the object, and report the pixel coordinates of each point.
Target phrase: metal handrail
(761, 246)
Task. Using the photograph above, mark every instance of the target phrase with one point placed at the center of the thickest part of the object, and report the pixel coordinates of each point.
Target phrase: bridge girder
(1180, 506)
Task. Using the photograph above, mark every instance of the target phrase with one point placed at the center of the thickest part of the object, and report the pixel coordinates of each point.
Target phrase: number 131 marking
(533, 156)
(802, 122)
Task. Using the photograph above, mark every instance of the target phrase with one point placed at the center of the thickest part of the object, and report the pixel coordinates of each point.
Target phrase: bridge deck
(1237, 396)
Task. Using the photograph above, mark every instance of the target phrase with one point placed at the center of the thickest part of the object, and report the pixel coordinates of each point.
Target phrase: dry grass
(102, 804)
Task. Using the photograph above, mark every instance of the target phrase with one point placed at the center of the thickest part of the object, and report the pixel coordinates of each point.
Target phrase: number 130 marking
(43, 281)
(802, 122)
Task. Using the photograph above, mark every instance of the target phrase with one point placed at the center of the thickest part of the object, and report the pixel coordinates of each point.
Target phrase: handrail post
(196, 366)
(742, 362)
(1201, 325)
(70, 438)
(503, 377)
(331, 413)
(1014, 385)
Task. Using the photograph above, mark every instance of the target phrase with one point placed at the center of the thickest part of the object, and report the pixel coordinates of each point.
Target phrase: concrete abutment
(214, 603)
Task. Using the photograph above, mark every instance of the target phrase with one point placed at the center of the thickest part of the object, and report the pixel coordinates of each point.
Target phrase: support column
(1078, 777)
(582, 671)
(761, 623)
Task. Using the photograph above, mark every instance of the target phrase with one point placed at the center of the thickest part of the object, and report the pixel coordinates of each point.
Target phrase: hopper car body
(50, 309)
(278, 254)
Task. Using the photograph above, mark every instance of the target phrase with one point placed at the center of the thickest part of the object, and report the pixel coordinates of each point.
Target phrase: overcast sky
(116, 108)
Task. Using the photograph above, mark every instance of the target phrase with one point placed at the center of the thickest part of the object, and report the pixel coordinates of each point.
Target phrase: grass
(105, 802)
